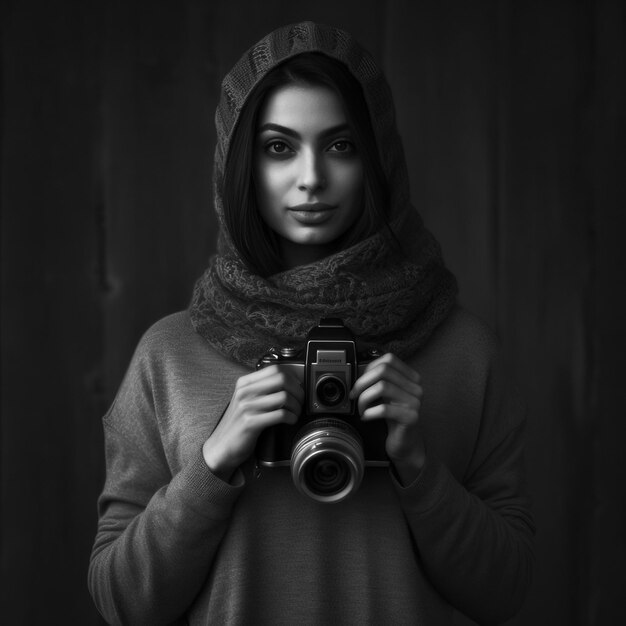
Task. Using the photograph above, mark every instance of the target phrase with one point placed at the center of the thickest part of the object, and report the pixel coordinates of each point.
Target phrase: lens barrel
(327, 461)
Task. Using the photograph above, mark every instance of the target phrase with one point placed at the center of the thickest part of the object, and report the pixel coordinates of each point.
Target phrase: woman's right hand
(261, 399)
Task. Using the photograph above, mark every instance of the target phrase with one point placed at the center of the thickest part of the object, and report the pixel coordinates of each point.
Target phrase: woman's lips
(316, 213)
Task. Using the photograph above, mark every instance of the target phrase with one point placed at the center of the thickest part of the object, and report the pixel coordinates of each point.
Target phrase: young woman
(311, 192)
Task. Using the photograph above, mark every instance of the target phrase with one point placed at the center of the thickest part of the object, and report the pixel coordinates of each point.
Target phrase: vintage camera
(329, 447)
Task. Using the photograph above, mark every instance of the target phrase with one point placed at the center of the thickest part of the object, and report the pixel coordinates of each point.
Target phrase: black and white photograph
(312, 312)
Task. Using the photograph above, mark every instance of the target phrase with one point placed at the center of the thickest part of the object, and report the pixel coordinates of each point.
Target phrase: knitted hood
(287, 42)
(391, 302)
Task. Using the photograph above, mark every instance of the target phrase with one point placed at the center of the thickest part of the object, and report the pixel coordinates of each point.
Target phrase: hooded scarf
(391, 300)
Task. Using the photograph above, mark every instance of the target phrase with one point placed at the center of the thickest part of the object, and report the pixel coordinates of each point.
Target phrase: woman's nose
(311, 174)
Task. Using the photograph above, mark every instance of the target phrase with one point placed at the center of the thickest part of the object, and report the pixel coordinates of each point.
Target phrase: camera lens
(327, 474)
(330, 390)
(327, 460)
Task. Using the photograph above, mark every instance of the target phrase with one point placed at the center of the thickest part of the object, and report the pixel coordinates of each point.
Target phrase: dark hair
(256, 242)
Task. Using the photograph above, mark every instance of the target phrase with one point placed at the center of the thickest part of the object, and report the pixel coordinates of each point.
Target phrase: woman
(312, 196)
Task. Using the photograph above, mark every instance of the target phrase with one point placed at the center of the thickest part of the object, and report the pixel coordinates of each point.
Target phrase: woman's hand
(390, 389)
(261, 399)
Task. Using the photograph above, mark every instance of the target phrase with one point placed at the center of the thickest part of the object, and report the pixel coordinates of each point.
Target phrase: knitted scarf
(392, 297)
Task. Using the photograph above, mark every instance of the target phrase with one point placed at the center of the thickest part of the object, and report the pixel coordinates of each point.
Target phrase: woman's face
(308, 175)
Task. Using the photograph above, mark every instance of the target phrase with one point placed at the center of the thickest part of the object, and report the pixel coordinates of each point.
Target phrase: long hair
(256, 242)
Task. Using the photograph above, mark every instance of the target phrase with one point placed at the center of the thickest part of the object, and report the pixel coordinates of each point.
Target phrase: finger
(394, 362)
(279, 400)
(269, 380)
(259, 374)
(385, 371)
(399, 413)
(279, 416)
(266, 373)
(252, 425)
(288, 381)
(386, 392)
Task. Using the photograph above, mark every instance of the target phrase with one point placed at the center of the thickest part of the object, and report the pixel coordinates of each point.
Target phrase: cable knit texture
(388, 299)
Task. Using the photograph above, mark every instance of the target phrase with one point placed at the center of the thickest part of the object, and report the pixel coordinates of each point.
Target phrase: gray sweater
(174, 542)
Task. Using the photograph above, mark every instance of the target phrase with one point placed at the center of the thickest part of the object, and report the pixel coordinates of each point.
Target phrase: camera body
(329, 447)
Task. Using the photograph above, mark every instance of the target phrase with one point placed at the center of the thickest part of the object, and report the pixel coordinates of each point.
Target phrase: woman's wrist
(218, 465)
(408, 468)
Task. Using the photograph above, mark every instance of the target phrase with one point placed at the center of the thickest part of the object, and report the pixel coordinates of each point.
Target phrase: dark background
(513, 119)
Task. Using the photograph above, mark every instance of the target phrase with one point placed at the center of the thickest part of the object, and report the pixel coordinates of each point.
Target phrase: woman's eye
(342, 146)
(277, 147)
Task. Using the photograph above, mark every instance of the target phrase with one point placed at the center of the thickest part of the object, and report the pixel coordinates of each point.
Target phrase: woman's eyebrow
(333, 130)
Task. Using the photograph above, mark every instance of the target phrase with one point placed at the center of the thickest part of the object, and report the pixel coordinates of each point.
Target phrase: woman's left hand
(390, 389)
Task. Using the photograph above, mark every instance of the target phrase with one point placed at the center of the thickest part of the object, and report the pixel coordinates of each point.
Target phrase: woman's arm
(474, 539)
(157, 534)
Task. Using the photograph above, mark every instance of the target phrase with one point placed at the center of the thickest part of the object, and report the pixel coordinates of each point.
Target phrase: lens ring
(327, 443)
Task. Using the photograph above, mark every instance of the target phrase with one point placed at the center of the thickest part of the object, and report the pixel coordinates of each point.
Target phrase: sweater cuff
(205, 491)
(427, 490)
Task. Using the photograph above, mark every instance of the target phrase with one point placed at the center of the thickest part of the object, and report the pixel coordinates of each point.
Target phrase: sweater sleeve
(474, 535)
(157, 532)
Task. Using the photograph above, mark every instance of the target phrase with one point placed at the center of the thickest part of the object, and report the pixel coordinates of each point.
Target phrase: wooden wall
(513, 119)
